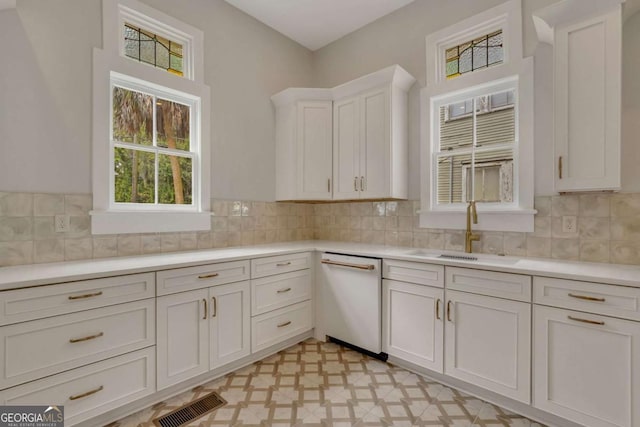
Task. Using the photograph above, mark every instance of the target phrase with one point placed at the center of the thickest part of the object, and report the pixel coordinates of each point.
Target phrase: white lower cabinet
(230, 330)
(488, 343)
(412, 327)
(93, 389)
(201, 330)
(587, 367)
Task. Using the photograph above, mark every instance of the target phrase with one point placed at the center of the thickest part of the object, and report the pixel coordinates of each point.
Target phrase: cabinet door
(488, 343)
(375, 146)
(586, 367)
(183, 336)
(346, 146)
(314, 146)
(412, 323)
(587, 92)
(230, 332)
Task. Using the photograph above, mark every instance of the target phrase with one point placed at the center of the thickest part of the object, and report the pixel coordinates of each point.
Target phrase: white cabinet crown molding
(394, 75)
(294, 94)
(565, 12)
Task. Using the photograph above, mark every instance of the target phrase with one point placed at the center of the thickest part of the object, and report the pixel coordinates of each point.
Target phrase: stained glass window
(478, 53)
(150, 48)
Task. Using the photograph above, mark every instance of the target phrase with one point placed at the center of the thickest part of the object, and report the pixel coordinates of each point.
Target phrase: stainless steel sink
(465, 257)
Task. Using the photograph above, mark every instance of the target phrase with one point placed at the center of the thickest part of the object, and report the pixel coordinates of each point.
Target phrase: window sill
(120, 222)
(517, 220)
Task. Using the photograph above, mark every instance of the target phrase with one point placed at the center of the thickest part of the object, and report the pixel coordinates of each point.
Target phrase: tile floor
(324, 384)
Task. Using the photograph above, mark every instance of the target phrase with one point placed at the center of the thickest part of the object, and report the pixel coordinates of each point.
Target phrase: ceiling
(316, 23)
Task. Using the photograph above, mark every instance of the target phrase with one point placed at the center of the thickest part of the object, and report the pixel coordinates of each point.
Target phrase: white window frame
(514, 72)
(111, 65)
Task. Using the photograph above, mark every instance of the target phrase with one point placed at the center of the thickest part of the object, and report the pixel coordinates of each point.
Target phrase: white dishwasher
(352, 300)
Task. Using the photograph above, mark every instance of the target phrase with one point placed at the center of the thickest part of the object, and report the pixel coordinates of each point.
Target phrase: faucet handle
(474, 212)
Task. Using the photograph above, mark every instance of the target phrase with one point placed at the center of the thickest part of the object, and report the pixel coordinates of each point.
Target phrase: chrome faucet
(469, 237)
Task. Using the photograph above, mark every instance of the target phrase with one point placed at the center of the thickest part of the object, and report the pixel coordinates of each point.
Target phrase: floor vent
(459, 257)
(187, 413)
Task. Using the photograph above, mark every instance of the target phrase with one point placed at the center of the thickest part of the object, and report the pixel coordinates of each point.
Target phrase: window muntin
(150, 48)
(154, 156)
(474, 153)
(481, 52)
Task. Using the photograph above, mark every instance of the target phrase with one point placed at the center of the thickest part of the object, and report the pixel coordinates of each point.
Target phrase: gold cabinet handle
(89, 393)
(584, 297)
(449, 311)
(348, 264)
(74, 297)
(282, 325)
(205, 308)
(438, 309)
(355, 183)
(208, 276)
(90, 337)
(560, 167)
(592, 322)
(282, 291)
(215, 307)
(283, 264)
(362, 183)
(328, 185)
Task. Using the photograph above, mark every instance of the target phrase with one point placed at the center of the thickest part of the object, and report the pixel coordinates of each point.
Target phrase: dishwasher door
(352, 300)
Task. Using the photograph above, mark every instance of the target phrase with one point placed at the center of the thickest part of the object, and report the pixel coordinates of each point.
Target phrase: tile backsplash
(27, 229)
(608, 228)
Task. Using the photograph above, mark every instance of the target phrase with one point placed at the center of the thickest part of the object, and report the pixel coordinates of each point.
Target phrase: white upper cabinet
(370, 142)
(587, 40)
(345, 143)
(303, 144)
(362, 148)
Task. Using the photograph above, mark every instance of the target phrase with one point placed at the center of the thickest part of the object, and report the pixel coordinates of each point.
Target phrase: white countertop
(42, 274)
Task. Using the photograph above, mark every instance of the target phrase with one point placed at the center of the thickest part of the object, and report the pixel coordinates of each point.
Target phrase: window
(474, 146)
(474, 54)
(477, 124)
(150, 48)
(154, 156)
(151, 124)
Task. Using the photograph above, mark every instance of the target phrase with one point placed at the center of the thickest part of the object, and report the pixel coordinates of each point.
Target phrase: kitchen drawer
(21, 305)
(273, 292)
(503, 285)
(105, 386)
(413, 272)
(35, 349)
(203, 276)
(268, 266)
(276, 326)
(617, 301)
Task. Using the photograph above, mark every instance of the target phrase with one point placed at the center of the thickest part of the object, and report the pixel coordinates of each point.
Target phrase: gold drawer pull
(90, 337)
(283, 264)
(89, 393)
(282, 291)
(208, 276)
(348, 264)
(282, 325)
(73, 297)
(584, 297)
(592, 322)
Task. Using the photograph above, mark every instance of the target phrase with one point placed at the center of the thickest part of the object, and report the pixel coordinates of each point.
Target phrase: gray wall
(45, 93)
(45, 87)
(399, 38)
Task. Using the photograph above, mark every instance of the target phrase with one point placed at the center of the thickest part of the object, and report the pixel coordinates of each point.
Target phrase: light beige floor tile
(315, 384)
